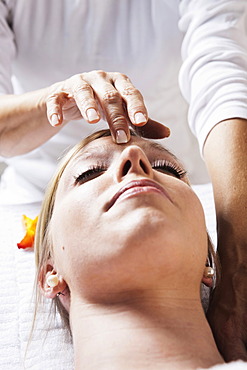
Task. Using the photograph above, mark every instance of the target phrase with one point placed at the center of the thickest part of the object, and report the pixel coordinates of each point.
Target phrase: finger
(112, 106)
(54, 105)
(135, 106)
(85, 99)
(152, 130)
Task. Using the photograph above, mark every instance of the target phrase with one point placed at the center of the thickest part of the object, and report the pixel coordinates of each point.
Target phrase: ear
(46, 290)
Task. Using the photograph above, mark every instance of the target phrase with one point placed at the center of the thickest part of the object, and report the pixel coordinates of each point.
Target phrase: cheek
(195, 225)
(71, 227)
(190, 221)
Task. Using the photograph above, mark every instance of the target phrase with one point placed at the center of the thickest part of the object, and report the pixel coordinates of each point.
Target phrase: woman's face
(125, 218)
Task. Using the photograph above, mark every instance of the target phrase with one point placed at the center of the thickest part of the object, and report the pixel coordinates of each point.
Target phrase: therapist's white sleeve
(213, 77)
(7, 48)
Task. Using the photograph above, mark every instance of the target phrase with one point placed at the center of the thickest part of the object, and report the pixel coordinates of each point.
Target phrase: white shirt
(46, 41)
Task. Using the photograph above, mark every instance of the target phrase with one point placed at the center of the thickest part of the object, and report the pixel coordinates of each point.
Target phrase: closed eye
(90, 174)
(162, 165)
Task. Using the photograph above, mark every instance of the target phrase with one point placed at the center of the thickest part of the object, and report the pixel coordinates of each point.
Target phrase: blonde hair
(43, 246)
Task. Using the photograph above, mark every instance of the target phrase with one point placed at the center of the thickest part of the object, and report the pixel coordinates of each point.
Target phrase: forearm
(226, 159)
(23, 123)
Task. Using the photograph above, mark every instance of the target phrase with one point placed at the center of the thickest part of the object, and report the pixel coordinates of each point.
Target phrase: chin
(140, 225)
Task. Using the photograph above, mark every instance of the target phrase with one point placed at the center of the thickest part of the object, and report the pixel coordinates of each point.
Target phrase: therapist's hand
(98, 94)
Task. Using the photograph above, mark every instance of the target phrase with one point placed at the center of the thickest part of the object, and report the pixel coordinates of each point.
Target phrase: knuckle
(74, 79)
(100, 73)
(96, 73)
(83, 87)
(55, 98)
(118, 120)
(124, 76)
(111, 97)
(130, 91)
(121, 75)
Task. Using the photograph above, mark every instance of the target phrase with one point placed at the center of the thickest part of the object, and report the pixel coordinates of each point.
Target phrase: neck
(142, 335)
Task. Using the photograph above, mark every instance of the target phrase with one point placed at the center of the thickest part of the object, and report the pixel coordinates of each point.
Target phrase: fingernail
(92, 115)
(168, 132)
(140, 118)
(121, 137)
(54, 120)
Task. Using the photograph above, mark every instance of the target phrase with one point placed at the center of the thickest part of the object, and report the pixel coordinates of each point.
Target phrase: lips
(135, 187)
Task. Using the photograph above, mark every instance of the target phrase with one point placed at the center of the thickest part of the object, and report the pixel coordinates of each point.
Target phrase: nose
(133, 160)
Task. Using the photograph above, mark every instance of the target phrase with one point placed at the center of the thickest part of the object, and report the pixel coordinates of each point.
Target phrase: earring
(52, 281)
(208, 272)
(59, 293)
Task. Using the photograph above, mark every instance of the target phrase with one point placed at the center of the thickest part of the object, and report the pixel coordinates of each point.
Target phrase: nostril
(126, 167)
(143, 166)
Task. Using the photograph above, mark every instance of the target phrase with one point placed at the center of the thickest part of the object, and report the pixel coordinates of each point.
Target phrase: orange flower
(30, 227)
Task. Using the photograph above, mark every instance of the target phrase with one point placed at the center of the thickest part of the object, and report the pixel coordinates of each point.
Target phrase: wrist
(35, 102)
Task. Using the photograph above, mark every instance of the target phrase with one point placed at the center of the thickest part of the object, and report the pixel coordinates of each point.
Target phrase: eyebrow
(161, 148)
(86, 153)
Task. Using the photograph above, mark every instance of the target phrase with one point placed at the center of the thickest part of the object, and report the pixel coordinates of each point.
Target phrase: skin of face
(152, 238)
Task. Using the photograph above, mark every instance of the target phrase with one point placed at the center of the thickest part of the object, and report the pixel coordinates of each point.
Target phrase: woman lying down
(122, 249)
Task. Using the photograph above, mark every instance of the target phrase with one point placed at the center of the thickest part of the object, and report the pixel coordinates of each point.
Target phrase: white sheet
(51, 349)
(16, 310)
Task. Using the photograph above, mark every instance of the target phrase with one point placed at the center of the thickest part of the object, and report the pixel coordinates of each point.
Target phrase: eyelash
(166, 166)
(159, 165)
(90, 174)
